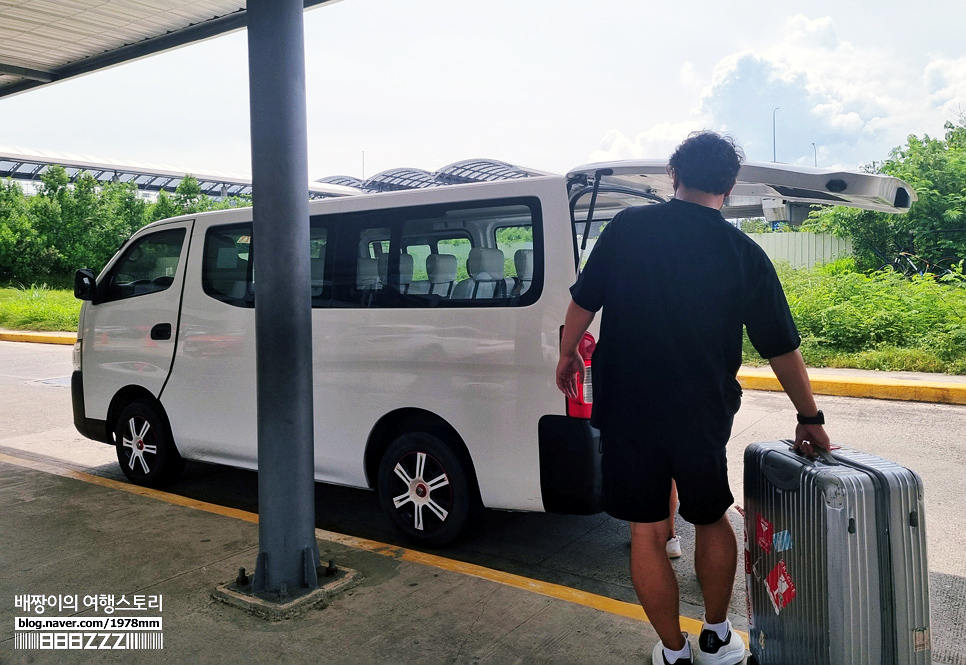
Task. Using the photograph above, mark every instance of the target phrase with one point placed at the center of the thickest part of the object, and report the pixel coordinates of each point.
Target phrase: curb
(878, 388)
(38, 337)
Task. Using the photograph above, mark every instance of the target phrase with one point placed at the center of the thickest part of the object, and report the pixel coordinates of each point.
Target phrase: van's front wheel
(423, 487)
(145, 449)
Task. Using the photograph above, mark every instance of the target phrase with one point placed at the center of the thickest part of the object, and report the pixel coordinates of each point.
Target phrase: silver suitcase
(835, 559)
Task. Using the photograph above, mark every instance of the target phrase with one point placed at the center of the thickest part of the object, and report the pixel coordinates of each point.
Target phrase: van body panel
(464, 365)
(210, 397)
(130, 340)
(483, 370)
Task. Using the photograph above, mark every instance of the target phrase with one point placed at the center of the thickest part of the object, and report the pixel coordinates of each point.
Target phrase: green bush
(877, 320)
(891, 359)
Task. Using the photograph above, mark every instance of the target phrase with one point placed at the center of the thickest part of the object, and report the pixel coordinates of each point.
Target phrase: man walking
(676, 284)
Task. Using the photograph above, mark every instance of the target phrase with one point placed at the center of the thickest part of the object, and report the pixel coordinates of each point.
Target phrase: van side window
(477, 254)
(516, 243)
(317, 238)
(226, 271)
(147, 266)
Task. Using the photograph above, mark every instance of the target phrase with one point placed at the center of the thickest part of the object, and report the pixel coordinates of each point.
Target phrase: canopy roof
(46, 41)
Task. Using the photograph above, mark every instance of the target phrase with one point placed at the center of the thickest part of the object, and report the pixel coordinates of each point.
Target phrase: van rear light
(582, 406)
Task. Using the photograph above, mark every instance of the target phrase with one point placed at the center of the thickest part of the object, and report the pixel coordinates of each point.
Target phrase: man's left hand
(809, 439)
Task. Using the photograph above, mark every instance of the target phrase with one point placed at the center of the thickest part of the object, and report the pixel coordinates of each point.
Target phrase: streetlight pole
(815, 151)
(774, 140)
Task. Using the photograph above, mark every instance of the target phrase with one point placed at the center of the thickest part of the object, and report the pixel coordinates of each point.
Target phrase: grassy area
(38, 308)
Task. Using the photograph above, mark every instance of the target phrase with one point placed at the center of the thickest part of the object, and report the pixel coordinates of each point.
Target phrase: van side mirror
(84, 284)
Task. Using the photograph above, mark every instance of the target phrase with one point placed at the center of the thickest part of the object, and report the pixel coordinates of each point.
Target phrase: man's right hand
(570, 373)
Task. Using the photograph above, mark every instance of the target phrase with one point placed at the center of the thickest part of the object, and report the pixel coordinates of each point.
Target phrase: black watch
(817, 419)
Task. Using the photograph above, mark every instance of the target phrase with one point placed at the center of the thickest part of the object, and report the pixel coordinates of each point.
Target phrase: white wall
(803, 250)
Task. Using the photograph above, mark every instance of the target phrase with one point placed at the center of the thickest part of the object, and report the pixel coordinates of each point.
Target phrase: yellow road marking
(37, 337)
(557, 591)
(110, 483)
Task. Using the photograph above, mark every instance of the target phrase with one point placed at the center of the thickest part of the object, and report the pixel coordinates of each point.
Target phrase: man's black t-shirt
(677, 283)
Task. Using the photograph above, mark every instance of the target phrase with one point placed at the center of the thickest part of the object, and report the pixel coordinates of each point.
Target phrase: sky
(546, 84)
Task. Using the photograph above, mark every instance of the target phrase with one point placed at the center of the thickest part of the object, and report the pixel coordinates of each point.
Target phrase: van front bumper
(569, 465)
(92, 429)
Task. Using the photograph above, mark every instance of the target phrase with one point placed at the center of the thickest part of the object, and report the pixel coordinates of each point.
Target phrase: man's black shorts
(638, 468)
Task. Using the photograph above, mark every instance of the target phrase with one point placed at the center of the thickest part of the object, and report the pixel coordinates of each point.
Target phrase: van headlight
(77, 355)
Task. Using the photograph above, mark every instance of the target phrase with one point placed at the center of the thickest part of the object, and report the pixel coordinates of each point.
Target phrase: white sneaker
(657, 656)
(673, 547)
(712, 650)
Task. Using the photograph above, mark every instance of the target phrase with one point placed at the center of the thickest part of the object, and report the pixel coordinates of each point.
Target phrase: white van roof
(767, 183)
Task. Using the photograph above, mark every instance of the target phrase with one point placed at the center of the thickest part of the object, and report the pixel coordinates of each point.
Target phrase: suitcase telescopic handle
(824, 455)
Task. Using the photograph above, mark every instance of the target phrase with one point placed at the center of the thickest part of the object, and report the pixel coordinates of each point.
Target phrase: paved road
(588, 553)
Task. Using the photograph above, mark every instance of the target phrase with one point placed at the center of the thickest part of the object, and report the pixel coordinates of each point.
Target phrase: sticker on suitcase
(781, 587)
(764, 533)
(782, 541)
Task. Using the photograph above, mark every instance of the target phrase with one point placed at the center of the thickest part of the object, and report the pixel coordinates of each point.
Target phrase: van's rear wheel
(424, 488)
(145, 448)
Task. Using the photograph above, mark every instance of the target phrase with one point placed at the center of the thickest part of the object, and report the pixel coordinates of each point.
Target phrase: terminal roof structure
(465, 171)
(29, 166)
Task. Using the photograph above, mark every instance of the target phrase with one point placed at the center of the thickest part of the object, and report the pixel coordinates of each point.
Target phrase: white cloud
(688, 76)
(800, 30)
(838, 104)
(657, 142)
(945, 81)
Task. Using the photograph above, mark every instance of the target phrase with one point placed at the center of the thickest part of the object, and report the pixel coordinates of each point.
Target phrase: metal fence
(803, 250)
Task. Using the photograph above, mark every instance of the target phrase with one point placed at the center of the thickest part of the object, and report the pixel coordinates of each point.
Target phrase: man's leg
(655, 582)
(716, 562)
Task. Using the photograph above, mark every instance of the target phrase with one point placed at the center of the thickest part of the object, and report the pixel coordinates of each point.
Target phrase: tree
(188, 199)
(163, 208)
(81, 223)
(21, 247)
(188, 196)
(935, 226)
(117, 214)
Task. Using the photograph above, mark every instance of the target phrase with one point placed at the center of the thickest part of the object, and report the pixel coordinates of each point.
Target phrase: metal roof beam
(24, 72)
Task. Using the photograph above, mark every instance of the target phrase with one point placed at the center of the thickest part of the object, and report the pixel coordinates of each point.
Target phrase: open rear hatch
(776, 192)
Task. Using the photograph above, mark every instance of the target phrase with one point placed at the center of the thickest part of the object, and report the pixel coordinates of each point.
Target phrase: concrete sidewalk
(65, 532)
(908, 386)
(67, 535)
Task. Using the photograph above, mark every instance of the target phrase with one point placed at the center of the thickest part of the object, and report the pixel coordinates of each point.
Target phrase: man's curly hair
(707, 161)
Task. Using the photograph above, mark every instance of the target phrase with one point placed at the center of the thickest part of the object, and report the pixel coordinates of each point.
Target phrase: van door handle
(161, 331)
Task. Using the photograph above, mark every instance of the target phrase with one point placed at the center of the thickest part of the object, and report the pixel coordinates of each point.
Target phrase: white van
(436, 320)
